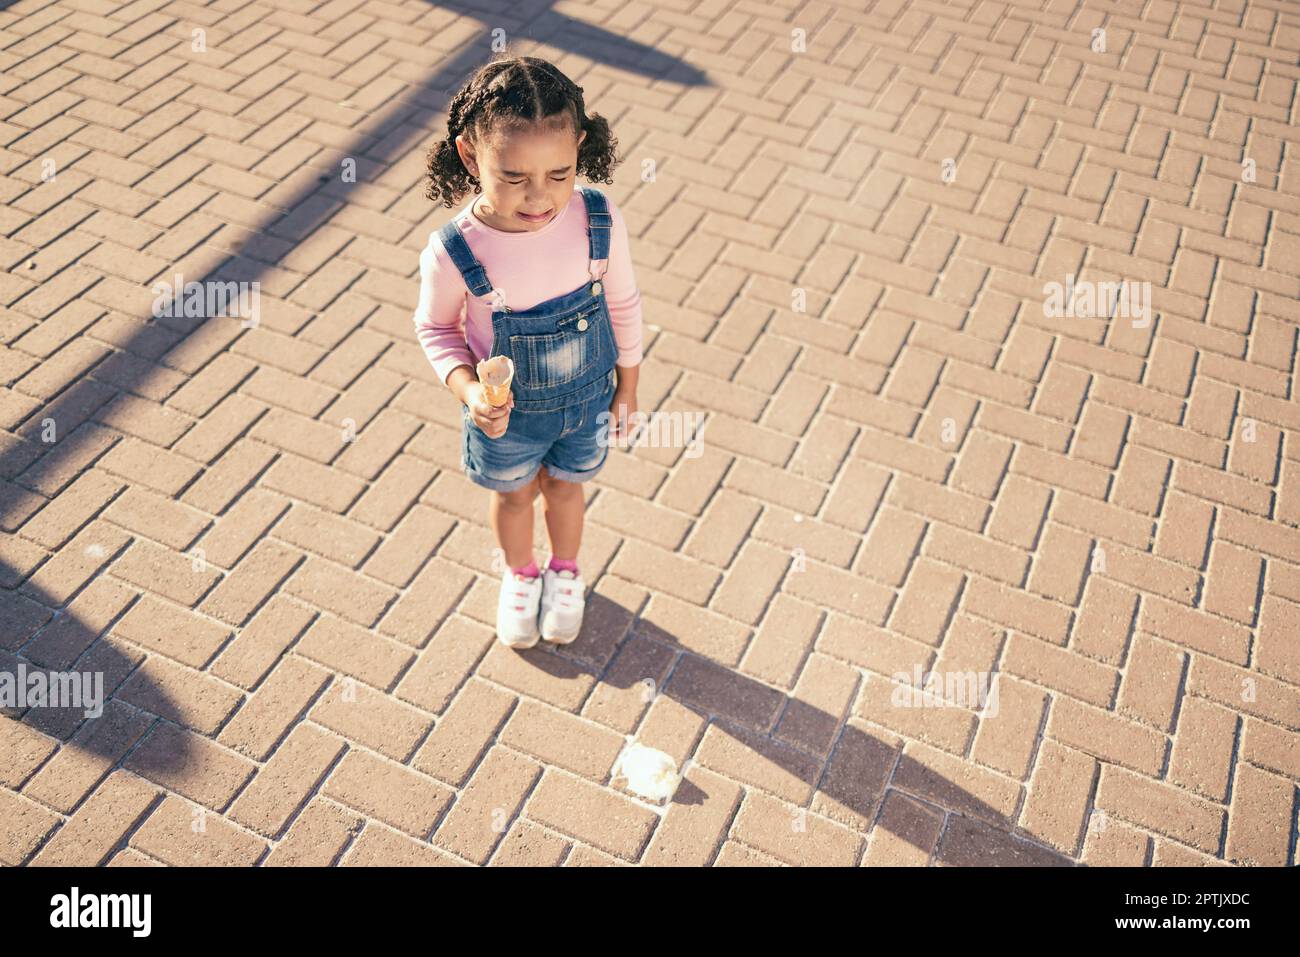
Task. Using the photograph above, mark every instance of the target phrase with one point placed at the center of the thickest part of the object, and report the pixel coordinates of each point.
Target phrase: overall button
(596, 288)
(582, 325)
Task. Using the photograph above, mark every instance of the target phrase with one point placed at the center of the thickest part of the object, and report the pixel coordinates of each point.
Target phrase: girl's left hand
(622, 411)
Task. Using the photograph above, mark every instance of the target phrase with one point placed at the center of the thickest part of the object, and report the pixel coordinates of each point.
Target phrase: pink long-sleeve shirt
(455, 328)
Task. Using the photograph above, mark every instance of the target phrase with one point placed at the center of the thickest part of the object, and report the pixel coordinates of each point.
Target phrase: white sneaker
(517, 610)
(563, 598)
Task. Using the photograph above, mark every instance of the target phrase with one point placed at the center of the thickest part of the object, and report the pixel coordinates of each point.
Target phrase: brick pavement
(261, 536)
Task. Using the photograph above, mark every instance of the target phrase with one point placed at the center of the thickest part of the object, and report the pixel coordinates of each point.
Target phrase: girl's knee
(521, 496)
(553, 487)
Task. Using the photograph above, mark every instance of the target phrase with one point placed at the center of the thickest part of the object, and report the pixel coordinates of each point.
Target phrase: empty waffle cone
(496, 374)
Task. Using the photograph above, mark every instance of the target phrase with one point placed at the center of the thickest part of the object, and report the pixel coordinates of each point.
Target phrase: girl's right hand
(493, 420)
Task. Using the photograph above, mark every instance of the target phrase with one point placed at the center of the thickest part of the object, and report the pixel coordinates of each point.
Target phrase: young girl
(544, 273)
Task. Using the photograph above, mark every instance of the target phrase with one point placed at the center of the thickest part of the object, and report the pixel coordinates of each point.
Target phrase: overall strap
(471, 270)
(599, 225)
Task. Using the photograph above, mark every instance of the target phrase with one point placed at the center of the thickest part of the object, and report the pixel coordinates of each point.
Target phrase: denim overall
(563, 350)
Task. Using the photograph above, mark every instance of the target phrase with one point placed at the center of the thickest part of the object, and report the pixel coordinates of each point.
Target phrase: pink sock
(528, 571)
(563, 564)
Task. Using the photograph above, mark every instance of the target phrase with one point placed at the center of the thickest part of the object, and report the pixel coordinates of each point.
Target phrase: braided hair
(511, 93)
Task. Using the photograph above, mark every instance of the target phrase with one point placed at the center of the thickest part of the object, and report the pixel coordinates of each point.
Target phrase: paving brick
(754, 577)
(180, 694)
(1106, 735)
(782, 641)
(1194, 629)
(894, 539)
(848, 593)
(26, 825)
(970, 645)
(1203, 747)
(637, 670)
(905, 835)
(825, 541)
(938, 719)
(1056, 811)
(1244, 691)
(76, 563)
(1014, 608)
(1102, 628)
(333, 588)
(1059, 669)
(421, 611)
(690, 581)
(759, 761)
(92, 833)
(259, 575)
(1010, 725)
(459, 740)
(241, 527)
(527, 845)
(1160, 808)
(316, 837)
(190, 765)
(246, 660)
(791, 834)
(583, 856)
(1060, 564)
(927, 602)
(389, 792)
(812, 717)
(690, 832)
(1233, 583)
(98, 744)
(287, 780)
(562, 740)
(1111, 843)
(721, 525)
(1276, 652)
(1270, 747)
(703, 631)
(1184, 529)
(271, 711)
(22, 750)
(562, 684)
(368, 717)
(956, 785)
(1260, 819)
(592, 814)
(379, 846)
(970, 843)
(350, 650)
(181, 834)
(1149, 690)
(179, 634)
(716, 690)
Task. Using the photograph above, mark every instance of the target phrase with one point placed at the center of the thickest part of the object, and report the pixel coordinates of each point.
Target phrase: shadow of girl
(915, 802)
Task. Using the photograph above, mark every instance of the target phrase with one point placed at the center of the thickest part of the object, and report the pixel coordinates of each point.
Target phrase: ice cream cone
(496, 374)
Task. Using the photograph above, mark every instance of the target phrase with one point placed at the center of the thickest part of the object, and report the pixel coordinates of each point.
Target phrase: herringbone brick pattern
(261, 535)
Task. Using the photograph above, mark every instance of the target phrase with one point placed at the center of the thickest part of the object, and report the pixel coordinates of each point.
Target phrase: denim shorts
(572, 442)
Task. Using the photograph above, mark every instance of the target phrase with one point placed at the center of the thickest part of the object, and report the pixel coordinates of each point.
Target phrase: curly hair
(511, 93)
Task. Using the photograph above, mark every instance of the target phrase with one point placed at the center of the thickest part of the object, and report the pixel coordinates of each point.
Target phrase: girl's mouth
(535, 219)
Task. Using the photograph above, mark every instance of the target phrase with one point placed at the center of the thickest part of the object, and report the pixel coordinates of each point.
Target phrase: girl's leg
(511, 514)
(565, 505)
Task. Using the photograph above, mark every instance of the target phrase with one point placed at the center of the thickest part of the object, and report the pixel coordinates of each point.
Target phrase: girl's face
(527, 175)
